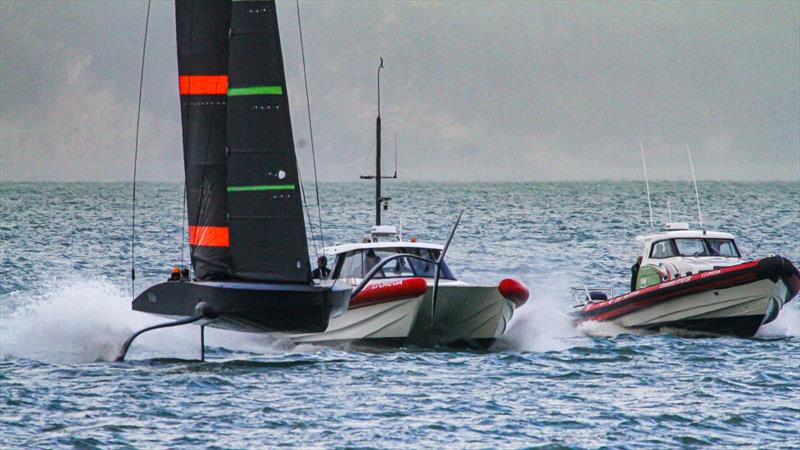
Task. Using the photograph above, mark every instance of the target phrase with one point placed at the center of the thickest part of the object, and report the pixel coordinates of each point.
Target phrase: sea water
(65, 295)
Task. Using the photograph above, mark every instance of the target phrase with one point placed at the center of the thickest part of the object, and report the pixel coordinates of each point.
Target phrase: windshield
(691, 247)
(357, 263)
(722, 247)
(694, 248)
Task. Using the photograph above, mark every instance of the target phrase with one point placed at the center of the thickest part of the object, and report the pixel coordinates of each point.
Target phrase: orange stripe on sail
(203, 84)
(209, 236)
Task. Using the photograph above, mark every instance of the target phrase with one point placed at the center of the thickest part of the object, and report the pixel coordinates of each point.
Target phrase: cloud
(475, 91)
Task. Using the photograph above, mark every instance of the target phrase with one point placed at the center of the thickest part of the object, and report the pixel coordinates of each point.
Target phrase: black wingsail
(202, 31)
(265, 215)
(245, 211)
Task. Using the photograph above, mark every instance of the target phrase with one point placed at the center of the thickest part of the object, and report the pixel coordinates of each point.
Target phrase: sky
(479, 91)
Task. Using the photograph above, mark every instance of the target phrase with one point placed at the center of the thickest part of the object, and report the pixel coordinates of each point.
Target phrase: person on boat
(322, 270)
(371, 260)
(635, 273)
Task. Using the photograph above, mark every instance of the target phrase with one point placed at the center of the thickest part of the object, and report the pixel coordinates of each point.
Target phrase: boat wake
(543, 324)
(787, 324)
(87, 321)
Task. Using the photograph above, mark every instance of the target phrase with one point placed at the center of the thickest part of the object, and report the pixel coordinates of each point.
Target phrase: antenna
(647, 184)
(395, 154)
(669, 211)
(694, 180)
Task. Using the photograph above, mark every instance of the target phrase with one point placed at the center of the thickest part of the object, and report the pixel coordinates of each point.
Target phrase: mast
(379, 199)
(378, 153)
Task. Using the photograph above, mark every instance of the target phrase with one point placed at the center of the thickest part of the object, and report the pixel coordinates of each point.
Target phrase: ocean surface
(65, 309)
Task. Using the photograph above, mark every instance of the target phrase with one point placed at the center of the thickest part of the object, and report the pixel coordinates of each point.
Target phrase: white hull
(753, 300)
(391, 320)
(465, 315)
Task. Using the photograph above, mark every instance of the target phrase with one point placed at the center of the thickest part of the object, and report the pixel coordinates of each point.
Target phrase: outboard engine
(597, 295)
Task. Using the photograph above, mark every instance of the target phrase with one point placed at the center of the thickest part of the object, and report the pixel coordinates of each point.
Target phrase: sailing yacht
(247, 234)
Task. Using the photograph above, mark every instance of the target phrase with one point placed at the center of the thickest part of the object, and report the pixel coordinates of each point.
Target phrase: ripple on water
(64, 306)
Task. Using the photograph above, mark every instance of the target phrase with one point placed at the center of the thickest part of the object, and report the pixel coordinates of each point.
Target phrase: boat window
(426, 269)
(722, 247)
(352, 267)
(395, 268)
(662, 249)
(691, 247)
(358, 263)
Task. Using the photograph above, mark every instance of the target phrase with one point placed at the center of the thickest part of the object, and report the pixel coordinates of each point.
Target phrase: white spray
(86, 321)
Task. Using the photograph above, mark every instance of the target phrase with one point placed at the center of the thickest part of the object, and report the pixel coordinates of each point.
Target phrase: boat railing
(583, 295)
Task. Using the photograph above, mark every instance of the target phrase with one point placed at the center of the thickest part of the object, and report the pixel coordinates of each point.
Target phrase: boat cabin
(354, 261)
(679, 252)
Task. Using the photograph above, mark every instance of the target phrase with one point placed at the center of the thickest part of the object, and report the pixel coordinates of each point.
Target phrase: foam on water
(787, 324)
(558, 387)
(87, 320)
(543, 324)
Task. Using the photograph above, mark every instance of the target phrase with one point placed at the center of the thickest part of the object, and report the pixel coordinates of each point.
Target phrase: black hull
(774, 268)
(249, 307)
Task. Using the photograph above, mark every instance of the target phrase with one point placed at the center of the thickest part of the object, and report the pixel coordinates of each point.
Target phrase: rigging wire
(183, 229)
(310, 128)
(136, 153)
(308, 214)
(694, 180)
(647, 184)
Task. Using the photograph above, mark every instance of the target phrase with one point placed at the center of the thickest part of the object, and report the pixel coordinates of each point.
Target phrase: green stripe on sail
(263, 187)
(255, 90)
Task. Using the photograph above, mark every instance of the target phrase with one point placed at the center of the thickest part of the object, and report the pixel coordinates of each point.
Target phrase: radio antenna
(694, 180)
(647, 185)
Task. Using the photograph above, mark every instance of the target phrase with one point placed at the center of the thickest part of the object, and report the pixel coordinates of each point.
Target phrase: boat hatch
(677, 226)
(357, 263)
(384, 233)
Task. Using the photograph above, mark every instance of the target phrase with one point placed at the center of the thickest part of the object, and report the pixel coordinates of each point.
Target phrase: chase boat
(403, 292)
(403, 304)
(695, 280)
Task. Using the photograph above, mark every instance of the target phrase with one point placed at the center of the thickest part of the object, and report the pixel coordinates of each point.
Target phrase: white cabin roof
(685, 234)
(337, 249)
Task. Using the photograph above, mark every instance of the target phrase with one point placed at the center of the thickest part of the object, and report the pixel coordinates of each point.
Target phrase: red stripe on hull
(203, 84)
(671, 283)
(389, 291)
(209, 236)
(613, 314)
